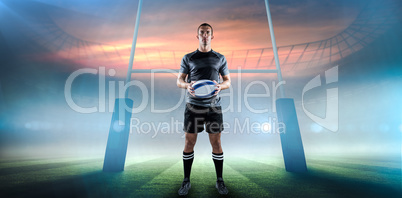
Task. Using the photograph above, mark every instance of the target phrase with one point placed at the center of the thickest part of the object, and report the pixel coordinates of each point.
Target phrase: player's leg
(217, 153)
(193, 124)
(191, 139)
(188, 157)
(214, 126)
(191, 128)
(217, 156)
(215, 140)
(188, 154)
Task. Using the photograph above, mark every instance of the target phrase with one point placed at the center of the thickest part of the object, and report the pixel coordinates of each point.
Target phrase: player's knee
(216, 144)
(190, 143)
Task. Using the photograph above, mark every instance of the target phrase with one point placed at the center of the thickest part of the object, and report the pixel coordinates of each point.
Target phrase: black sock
(218, 161)
(187, 163)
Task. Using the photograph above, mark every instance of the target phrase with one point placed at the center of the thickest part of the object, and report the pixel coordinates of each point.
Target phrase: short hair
(205, 24)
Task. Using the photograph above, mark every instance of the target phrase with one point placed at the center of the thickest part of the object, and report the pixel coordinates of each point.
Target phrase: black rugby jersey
(204, 66)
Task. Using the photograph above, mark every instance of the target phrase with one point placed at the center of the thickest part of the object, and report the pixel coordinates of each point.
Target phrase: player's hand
(217, 88)
(190, 88)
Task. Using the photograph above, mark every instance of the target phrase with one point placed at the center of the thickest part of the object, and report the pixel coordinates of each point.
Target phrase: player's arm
(224, 85)
(226, 82)
(181, 83)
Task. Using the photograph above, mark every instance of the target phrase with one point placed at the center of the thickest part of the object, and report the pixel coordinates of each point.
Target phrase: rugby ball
(204, 88)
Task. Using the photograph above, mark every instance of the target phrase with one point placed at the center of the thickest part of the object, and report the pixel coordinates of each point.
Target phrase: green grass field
(161, 177)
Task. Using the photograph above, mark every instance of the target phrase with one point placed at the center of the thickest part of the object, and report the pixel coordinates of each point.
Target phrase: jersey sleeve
(184, 67)
(223, 70)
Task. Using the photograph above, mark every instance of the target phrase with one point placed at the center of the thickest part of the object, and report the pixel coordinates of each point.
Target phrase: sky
(107, 28)
(172, 25)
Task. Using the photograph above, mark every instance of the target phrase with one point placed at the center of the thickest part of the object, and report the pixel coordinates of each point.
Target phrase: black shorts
(196, 116)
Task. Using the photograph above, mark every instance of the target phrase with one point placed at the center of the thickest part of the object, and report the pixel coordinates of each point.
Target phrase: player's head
(205, 33)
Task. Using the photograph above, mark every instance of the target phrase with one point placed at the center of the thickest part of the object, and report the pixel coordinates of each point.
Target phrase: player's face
(205, 35)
